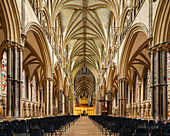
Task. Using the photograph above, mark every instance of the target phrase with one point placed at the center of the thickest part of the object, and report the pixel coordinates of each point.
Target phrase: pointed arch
(42, 45)
(11, 18)
(59, 77)
(161, 26)
(135, 30)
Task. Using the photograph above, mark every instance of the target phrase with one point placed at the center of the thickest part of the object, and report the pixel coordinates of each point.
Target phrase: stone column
(102, 97)
(71, 103)
(159, 81)
(66, 104)
(50, 97)
(14, 70)
(15, 92)
(97, 105)
(67, 98)
(129, 97)
(102, 103)
(41, 102)
(55, 102)
(152, 85)
(46, 96)
(9, 79)
(157, 86)
(122, 98)
(109, 102)
(133, 102)
(71, 99)
(130, 103)
(99, 95)
(113, 101)
(20, 81)
(139, 107)
(164, 84)
(97, 100)
(60, 100)
(119, 97)
(139, 92)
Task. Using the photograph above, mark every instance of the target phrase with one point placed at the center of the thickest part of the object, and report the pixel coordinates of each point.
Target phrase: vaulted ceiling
(85, 27)
(84, 82)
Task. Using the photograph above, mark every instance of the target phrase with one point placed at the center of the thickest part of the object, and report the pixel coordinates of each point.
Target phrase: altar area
(84, 108)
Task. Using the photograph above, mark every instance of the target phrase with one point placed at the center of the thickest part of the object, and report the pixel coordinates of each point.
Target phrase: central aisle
(83, 127)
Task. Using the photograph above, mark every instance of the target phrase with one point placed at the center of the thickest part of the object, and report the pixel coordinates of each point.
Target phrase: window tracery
(23, 84)
(168, 74)
(33, 88)
(148, 85)
(4, 72)
(137, 89)
(26, 87)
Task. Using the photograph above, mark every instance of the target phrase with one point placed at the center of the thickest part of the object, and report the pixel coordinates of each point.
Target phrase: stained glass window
(23, 84)
(137, 89)
(4, 72)
(148, 85)
(33, 88)
(168, 73)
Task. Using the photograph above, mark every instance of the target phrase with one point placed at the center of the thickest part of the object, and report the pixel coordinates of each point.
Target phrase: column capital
(7, 43)
(60, 90)
(149, 41)
(21, 48)
(159, 47)
(15, 46)
(48, 78)
(122, 79)
(108, 91)
(12, 44)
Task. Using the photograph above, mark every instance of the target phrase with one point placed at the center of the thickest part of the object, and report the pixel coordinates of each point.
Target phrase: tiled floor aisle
(83, 127)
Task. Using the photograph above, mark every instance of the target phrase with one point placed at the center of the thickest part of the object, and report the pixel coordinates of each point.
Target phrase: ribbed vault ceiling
(85, 29)
(84, 82)
(85, 26)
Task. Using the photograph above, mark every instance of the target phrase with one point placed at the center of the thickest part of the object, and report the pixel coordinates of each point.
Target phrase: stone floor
(83, 127)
